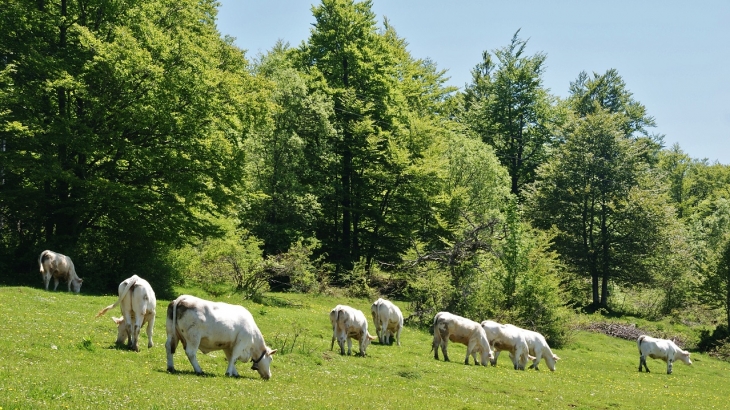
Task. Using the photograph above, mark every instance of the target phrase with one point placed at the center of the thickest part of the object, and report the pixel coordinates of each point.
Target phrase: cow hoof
(171, 370)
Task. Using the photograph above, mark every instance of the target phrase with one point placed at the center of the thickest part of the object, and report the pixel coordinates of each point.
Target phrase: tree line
(136, 139)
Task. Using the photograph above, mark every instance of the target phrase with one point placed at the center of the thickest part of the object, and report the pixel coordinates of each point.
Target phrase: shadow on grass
(274, 301)
(253, 376)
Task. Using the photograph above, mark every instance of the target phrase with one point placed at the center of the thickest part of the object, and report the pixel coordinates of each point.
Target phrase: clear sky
(673, 55)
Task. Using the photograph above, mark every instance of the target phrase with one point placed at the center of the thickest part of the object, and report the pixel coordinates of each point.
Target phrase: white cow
(662, 349)
(538, 348)
(388, 320)
(59, 267)
(208, 326)
(138, 303)
(508, 338)
(447, 326)
(349, 323)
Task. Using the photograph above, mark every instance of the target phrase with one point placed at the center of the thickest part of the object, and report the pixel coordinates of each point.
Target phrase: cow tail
(436, 335)
(40, 261)
(638, 343)
(124, 293)
(174, 319)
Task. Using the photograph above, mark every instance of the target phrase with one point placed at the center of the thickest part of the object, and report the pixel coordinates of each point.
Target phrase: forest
(138, 140)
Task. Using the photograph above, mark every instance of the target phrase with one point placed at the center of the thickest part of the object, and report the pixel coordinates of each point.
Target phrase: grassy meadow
(54, 354)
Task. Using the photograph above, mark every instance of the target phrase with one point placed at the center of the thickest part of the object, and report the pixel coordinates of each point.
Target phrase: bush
(231, 263)
(294, 270)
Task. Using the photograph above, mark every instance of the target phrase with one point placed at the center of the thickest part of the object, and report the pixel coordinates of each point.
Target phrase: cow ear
(118, 320)
(271, 352)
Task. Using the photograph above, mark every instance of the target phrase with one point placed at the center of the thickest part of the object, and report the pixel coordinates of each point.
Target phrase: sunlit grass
(55, 354)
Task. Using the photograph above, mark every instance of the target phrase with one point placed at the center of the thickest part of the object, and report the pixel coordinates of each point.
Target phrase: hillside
(55, 354)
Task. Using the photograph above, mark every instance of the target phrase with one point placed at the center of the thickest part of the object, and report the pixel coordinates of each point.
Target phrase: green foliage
(288, 159)
(138, 113)
(232, 263)
(598, 191)
(304, 272)
(383, 182)
(507, 106)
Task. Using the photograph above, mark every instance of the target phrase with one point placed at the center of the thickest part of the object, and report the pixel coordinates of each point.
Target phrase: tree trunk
(605, 265)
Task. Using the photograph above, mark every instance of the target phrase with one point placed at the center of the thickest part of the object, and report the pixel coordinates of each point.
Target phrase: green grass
(55, 354)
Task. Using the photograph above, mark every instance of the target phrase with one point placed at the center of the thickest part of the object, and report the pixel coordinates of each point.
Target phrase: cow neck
(260, 357)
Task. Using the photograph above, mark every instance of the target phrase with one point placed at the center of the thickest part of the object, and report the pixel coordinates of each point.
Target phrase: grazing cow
(662, 349)
(388, 321)
(538, 348)
(208, 326)
(349, 323)
(138, 303)
(59, 267)
(447, 326)
(508, 338)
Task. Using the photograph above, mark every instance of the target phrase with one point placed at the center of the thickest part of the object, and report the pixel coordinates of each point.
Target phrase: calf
(388, 321)
(60, 267)
(508, 338)
(138, 303)
(208, 326)
(662, 349)
(349, 323)
(447, 326)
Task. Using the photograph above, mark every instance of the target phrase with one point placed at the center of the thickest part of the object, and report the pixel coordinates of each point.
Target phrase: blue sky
(673, 55)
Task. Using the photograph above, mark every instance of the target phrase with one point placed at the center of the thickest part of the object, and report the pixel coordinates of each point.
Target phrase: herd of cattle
(207, 326)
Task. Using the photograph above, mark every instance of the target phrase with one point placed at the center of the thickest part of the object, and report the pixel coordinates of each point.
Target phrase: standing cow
(447, 326)
(59, 267)
(538, 348)
(388, 321)
(349, 323)
(662, 349)
(138, 303)
(509, 338)
(208, 326)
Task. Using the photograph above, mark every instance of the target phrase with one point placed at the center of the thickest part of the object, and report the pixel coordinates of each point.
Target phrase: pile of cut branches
(631, 332)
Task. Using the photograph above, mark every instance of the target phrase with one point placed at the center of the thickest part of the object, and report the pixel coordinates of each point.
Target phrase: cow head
(550, 360)
(684, 356)
(263, 363)
(76, 284)
(122, 333)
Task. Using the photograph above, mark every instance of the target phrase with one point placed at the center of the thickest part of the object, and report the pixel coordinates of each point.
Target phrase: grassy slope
(55, 354)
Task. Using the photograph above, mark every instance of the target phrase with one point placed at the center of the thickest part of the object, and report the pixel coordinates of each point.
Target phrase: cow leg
(341, 343)
(669, 366)
(150, 328)
(232, 355)
(444, 347)
(136, 330)
(642, 361)
(397, 337)
(362, 345)
(55, 284)
(349, 346)
(496, 356)
(435, 346)
(514, 360)
(191, 350)
(470, 350)
(170, 347)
